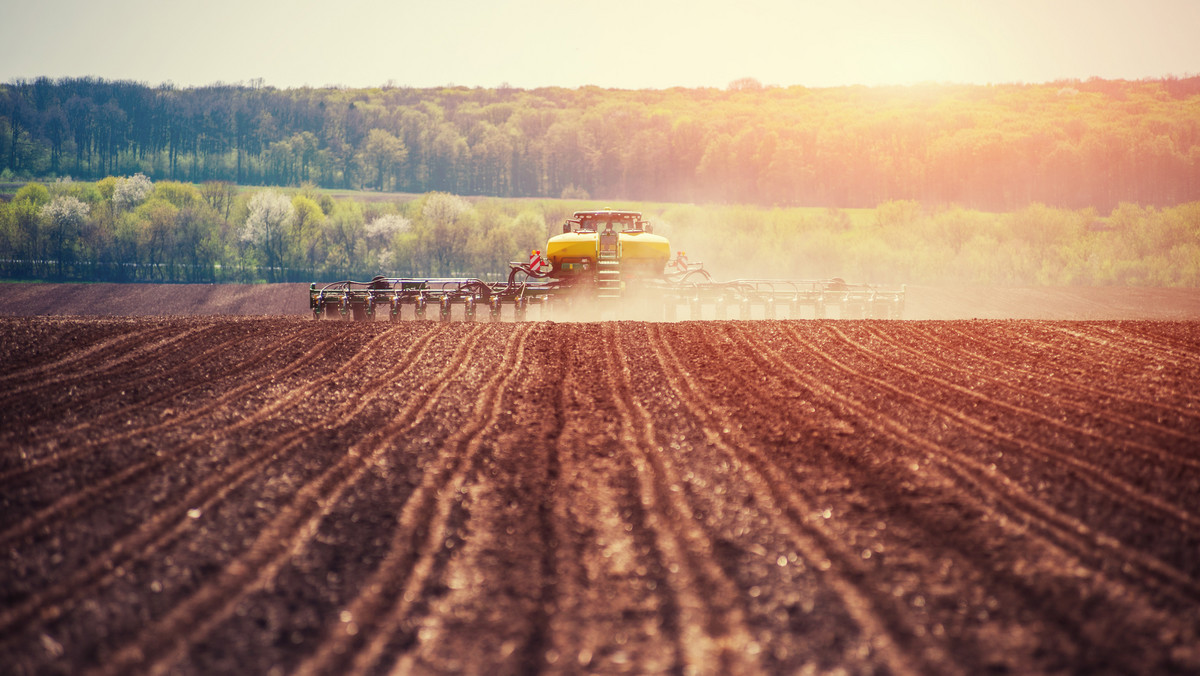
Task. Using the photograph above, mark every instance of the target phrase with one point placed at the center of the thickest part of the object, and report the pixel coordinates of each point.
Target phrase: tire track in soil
(1136, 365)
(1015, 408)
(97, 352)
(412, 558)
(28, 344)
(557, 568)
(713, 629)
(78, 500)
(1010, 573)
(167, 640)
(603, 603)
(1068, 533)
(224, 340)
(1129, 344)
(144, 350)
(1017, 356)
(1156, 333)
(192, 415)
(49, 449)
(1097, 478)
(895, 643)
(158, 530)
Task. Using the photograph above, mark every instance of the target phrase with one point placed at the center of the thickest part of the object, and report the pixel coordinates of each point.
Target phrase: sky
(625, 44)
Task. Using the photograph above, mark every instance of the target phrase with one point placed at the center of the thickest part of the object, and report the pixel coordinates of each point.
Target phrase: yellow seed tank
(589, 232)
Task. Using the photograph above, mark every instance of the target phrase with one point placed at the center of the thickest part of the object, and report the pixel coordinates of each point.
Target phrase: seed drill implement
(605, 265)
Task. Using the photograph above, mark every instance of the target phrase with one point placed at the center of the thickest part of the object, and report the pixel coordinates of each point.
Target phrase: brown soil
(278, 495)
(140, 300)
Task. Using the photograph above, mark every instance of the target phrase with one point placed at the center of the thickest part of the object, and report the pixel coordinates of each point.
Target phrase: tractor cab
(607, 221)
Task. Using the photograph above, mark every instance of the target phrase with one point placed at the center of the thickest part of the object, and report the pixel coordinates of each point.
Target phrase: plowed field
(257, 495)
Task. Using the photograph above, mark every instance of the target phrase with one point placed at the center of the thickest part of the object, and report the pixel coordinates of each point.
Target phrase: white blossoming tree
(271, 214)
(63, 219)
(132, 191)
(381, 235)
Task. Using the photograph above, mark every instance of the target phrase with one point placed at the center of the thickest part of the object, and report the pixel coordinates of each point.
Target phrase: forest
(134, 229)
(1071, 144)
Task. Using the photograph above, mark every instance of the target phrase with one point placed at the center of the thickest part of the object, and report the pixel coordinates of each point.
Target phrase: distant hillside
(1068, 144)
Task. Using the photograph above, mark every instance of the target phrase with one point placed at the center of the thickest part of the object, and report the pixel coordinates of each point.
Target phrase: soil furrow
(1063, 344)
(193, 414)
(839, 492)
(417, 559)
(225, 341)
(143, 351)
(935, 544)
(615, 608)
(418, 538)
(191, 495)
(887, 632)
(1024, 412)
(1096, 477)
(96, 353)
(170, 522)
(29, 345)
(97, 489)
(494, 586)
(1088, 391)
(1109, 338)
(1070, 533)
(165, 642)
(713, 629)
(1171, 336)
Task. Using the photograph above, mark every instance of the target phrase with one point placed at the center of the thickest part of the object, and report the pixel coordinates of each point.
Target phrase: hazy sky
(629, 44)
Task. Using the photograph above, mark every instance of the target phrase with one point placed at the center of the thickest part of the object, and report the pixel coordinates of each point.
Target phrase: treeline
(1075, 144)
(906, 242)
(134, 229)
(130, 229)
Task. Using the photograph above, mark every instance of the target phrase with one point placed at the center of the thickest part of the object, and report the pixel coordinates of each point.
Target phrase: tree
(306, 235)
(132, 191)
(156, 221)
(63, 219)
(445, 230)
(56, 129)
(1097, 143)
(196, 242)
(219, 195)
(35, 194)
(344, 230)
(380, 235)
(383, 153)
(270, 216)
(182, 195)
(745, 84)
